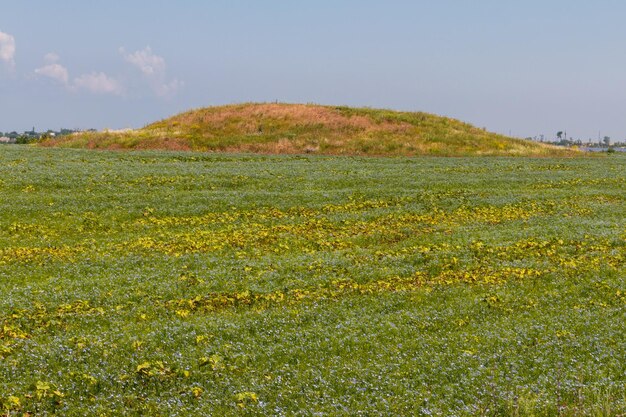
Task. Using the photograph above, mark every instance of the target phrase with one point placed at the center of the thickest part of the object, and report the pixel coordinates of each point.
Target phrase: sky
(523, 68)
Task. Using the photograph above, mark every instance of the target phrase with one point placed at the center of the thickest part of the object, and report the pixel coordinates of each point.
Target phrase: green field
(155, 283)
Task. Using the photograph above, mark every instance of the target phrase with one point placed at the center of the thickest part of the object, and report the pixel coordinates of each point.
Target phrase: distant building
(4, 139)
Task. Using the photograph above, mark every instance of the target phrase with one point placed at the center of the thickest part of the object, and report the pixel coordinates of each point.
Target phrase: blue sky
(529, 68)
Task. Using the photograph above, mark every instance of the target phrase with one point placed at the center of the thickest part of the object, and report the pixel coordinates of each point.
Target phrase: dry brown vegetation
(307, 128)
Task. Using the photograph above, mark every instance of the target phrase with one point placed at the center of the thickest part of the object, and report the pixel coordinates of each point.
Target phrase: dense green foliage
(277, 128)
(155, 283)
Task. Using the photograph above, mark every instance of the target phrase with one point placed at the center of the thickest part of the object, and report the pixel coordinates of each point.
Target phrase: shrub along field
(156, 283)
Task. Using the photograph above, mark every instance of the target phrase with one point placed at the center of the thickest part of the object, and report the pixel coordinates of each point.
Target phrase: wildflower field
(163, 283)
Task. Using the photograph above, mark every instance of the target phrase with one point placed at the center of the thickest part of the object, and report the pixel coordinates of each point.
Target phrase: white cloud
(55, 71)
(147, 62)
(153, 69)
(98, 83)
(95, 82)
(51, 58)
(7, 49)
(168, 89)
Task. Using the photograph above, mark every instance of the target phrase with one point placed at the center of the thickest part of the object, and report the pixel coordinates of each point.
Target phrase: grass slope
(169, 283)
(299, 128)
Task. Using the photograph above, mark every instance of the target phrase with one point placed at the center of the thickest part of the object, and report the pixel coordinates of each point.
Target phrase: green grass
(164, 283)
(278, 128)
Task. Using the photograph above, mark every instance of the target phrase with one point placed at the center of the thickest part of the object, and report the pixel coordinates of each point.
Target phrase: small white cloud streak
(7, 49)
(147, 62)
(153, 68)
(95, 82)
(55, 71)
(169, 89)
(51, 58)
(98, 83)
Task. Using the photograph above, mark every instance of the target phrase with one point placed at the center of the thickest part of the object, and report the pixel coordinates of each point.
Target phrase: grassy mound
(303, 128)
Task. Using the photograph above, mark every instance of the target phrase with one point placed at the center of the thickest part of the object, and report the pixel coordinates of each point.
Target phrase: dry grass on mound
(278, 128)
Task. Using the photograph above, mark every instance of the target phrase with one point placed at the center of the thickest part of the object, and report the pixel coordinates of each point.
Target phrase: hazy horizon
(523, 69)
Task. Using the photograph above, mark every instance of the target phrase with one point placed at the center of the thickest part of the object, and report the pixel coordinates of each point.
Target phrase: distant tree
(559, 135)
(607, 140)
(26, 138)
(564, 142)
(23, 139)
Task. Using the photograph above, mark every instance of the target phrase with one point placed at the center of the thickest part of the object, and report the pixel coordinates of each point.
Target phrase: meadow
(180, 283)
